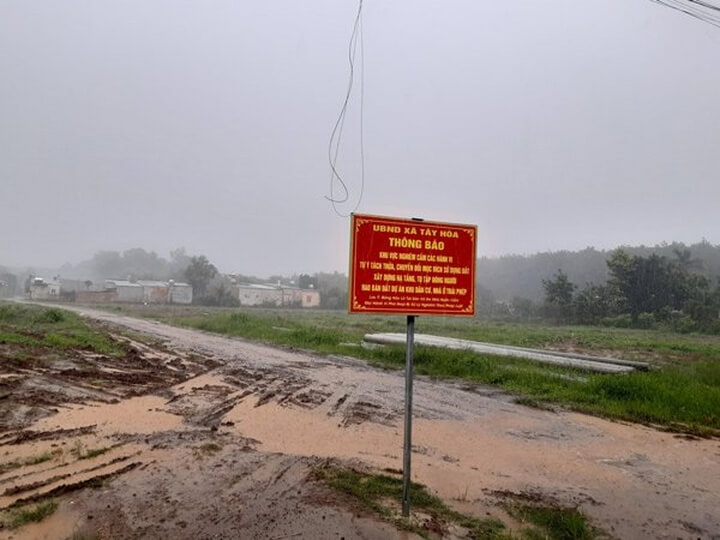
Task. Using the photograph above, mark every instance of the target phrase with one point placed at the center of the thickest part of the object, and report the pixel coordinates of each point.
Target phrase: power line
(337, 132)
(698, 9)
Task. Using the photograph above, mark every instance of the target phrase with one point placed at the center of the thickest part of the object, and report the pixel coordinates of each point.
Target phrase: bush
(619, 321)
(645, 320)
(51, 316)
(684, 325)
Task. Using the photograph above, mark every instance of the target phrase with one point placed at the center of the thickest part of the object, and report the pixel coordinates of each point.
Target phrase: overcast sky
(161, 124)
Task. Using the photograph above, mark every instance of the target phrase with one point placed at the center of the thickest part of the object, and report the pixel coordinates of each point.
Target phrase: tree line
(520, 276)
(641, 291)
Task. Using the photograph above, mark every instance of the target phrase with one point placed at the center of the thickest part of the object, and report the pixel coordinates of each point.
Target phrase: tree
(108, 264)
(703, 303)
(198, 273)
(685, 261)
(559, 295)
(179, 261)
(307, 282)
(648, 284)
(594, 303)
(523, 308)
(333, 289)
(219, 295)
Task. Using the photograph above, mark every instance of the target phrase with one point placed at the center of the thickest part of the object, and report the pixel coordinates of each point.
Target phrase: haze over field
(553, 125)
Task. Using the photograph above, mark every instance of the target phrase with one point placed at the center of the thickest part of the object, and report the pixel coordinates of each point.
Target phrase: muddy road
(272, 413)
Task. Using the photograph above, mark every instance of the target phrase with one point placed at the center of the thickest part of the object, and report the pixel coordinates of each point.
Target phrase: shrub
(619, 321)
(645, 320)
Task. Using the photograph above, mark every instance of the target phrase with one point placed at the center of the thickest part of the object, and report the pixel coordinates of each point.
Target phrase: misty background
(161, 125)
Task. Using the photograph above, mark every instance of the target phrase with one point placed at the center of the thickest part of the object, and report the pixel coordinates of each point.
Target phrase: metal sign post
(407, 447)
(401, 266)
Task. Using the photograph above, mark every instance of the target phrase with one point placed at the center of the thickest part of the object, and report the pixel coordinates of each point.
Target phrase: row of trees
(506, 277)
(641, 291)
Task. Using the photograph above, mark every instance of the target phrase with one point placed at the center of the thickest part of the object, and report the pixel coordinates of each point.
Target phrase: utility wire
(699, 9)
(337, 132)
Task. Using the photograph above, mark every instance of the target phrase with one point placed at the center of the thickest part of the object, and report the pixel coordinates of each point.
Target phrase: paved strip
(596, 365)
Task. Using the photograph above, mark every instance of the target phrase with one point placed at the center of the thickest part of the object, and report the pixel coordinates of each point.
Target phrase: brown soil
(212, 437)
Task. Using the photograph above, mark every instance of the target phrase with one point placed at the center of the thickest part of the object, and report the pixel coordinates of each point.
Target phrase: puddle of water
(464, 460)
(301, 432)
(209, 379)
(142, 415)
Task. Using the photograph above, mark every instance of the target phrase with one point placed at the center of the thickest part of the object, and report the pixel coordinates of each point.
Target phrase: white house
(44, 290)
(251, 294)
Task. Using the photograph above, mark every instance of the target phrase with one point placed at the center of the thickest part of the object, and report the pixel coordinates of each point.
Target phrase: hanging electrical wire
(703, 10)
(337, 132)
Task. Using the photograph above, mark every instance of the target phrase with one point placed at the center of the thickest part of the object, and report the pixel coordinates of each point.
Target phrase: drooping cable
(337, 132)
(702, 10)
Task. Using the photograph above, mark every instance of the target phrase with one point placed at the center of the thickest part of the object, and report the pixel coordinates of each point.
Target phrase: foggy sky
(162, 124)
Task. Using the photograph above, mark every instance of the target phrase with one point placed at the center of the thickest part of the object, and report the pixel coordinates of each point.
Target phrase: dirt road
(472, 446)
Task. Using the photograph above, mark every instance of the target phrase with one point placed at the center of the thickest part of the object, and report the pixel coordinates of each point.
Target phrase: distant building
(126, 291)
(150, 291)
(44, 290)
(79, 285)
(305, 298)
(180, 293)
(154, 292)
(251, 294)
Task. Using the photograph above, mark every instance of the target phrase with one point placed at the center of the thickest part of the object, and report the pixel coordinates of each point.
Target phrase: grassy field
(24, 328)
(682, 393)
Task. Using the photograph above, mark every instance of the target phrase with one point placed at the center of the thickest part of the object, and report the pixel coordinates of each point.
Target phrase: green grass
(682, 395)
(29, 514)
(552, 522)
(31, 326)
(382, 495)
(32, 460)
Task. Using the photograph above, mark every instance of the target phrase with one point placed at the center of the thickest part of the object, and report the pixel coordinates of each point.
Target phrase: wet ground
(213, 437)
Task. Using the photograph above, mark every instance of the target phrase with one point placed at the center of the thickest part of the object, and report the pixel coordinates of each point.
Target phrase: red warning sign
(411, 267)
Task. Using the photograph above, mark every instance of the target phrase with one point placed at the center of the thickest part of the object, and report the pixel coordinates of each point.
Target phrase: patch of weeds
(32, 460)
(29, 514)
(51, 316)
(80, 452)
(40, 458)
(382, 495)
(78, 448)
(552, 522)
(94, 452)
